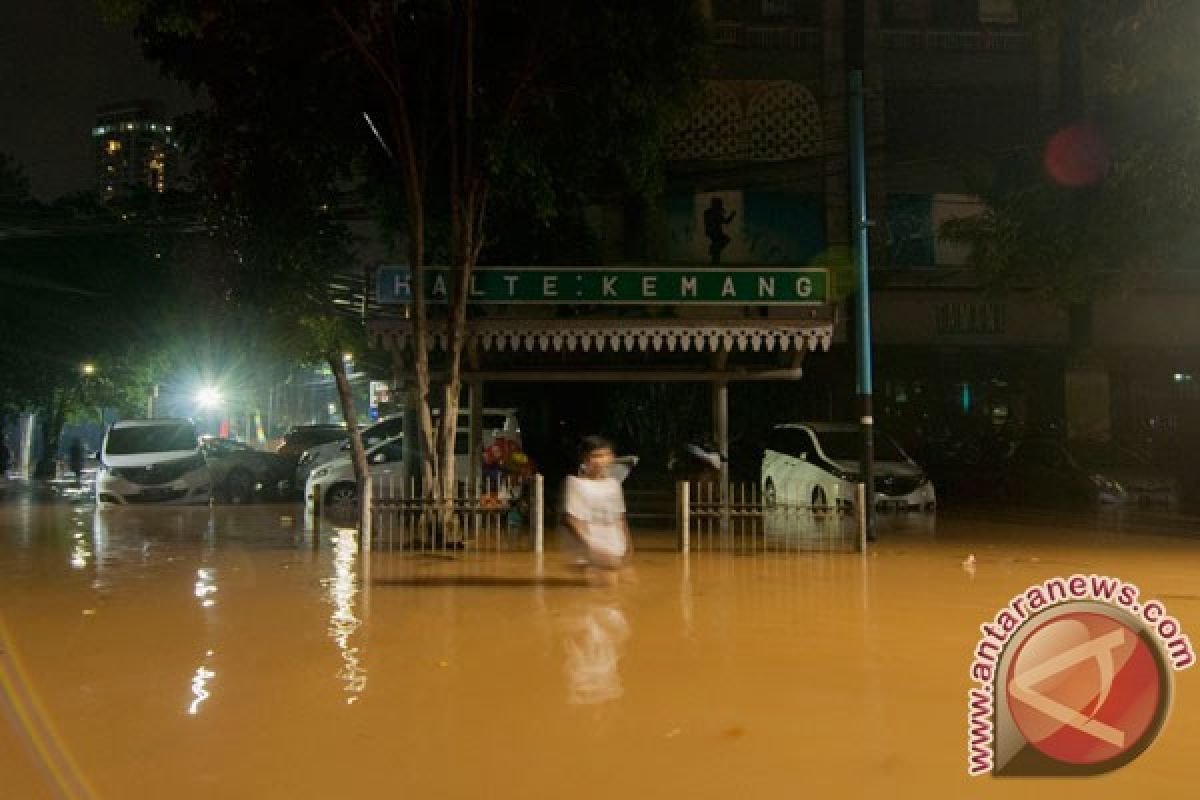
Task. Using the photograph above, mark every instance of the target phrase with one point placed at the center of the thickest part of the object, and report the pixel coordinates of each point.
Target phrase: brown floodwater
(152, 653)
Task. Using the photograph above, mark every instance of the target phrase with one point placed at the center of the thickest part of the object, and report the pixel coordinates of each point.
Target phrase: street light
(209, 397)
(87, 369)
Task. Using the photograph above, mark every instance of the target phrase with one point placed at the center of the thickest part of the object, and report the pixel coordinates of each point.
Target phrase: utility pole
(855, 64)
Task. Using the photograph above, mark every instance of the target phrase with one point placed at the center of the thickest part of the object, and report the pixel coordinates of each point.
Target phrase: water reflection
(595, 636)
(81, 553)
(200, 681)
(343, 622)
(205, 587)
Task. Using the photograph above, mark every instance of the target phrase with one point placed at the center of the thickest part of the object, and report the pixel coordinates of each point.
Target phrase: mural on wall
(913, 222)
(910, 229)
(745, 227)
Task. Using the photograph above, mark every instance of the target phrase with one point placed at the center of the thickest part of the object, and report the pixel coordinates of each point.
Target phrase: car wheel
(820, 503)
(342, 499)
(770, 497)
(239, 487)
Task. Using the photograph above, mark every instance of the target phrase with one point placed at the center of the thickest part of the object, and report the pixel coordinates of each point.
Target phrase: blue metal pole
(859, 224)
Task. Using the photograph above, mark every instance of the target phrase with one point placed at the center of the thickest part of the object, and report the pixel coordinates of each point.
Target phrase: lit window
(99, 130)
(167, 128)
(112, 146)
(129, 126)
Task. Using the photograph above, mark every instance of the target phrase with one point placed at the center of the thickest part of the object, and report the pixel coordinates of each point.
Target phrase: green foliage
(14, 184)
(72, 298)
(571, 102)
(1136, 217)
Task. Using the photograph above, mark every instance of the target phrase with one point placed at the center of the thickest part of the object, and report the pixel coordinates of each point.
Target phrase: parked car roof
(143, 423)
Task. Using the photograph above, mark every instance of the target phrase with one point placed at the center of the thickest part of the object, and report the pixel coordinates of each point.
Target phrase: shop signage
(619, 286)
(970, 318)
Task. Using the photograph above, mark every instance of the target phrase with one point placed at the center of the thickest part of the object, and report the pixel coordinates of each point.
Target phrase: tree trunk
(55, 415)
(358, 455)
(466, 205)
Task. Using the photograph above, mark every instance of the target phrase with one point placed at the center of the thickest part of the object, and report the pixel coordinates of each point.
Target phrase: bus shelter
(616, 324)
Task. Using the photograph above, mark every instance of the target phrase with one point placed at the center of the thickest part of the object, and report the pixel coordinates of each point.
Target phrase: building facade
(758, 175)
(135, 147)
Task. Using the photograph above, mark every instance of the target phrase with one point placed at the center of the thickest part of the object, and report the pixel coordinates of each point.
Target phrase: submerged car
(1043, 472)
(241, 474)
(302, 437)
(498, 424)
(1144, 482)
(818, 464)
(335, 482)
(152, 461)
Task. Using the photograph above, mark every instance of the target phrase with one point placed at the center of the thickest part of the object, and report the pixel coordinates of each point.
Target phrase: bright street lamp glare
(88, 369)
(208, 397)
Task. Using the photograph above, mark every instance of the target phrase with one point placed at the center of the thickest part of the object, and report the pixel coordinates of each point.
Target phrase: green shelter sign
(618, 286)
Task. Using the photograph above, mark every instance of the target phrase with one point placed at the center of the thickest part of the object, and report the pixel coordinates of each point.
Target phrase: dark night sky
(58, 61)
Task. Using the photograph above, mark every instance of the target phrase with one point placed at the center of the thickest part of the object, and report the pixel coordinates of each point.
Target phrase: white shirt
(600, 505)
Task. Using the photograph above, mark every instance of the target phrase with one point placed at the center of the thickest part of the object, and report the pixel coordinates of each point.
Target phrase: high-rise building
(134, 146)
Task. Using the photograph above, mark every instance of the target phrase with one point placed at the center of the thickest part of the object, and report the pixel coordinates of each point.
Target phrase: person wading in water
(594, 507)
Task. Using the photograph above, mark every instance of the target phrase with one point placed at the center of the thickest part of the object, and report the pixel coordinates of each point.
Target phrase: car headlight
(321, 473)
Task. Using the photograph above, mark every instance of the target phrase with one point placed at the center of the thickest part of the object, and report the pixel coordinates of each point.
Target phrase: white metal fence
(500, 515)
(509, 515)
(751, 522)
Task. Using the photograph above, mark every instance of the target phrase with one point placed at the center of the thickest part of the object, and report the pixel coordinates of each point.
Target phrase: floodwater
(153, 653)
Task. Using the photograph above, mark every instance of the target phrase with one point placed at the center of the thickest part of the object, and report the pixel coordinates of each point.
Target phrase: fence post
(860, 510)
(537, 513)
(315, 509)
(367, 512)
(685, 517)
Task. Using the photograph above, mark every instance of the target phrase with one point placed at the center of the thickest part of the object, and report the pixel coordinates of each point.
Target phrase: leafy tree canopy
(1111, 196)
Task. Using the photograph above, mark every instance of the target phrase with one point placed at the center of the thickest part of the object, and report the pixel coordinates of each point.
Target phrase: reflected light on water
(593, 651)
(200, 691)
(205, 587)
(342, 620)
(80, 552)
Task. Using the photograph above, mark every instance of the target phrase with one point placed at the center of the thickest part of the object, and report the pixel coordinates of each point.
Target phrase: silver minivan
(155, 461)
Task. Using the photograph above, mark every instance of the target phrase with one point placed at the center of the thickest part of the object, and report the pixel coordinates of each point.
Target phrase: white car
(818, 465)
(335, 479)
(152, 461)
(498, 423)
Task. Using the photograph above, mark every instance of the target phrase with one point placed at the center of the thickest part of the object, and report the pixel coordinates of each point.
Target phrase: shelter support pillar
(475, 439)
(721, 435)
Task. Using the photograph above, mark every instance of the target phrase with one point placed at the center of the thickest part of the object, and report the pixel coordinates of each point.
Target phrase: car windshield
(847, 446)
(150, 439)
